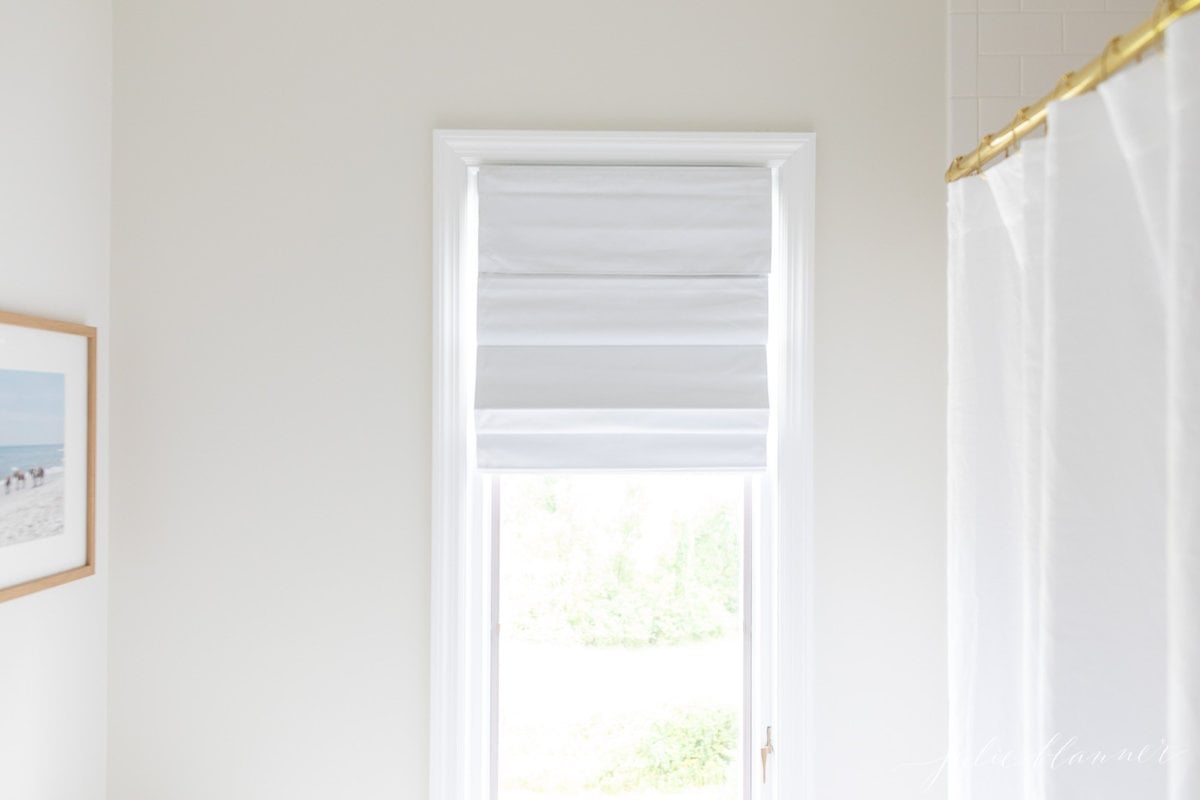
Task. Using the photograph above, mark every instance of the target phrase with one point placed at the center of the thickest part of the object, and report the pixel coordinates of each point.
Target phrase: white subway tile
(1028, 100)
(1040, 74)
(999, 76)
(1020, 34)
(962, 125)
(1143, 7)
(964, 6)
(999, 5)
(964, 55)
(996, 112)
(1062, 5)
(1089, 33)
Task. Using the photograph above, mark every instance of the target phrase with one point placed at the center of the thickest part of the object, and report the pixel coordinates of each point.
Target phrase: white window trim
(460, 671)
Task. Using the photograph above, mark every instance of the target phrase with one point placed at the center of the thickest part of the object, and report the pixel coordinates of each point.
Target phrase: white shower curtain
(1074, 450)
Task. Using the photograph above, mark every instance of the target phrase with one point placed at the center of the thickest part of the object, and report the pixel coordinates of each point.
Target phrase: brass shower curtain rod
(1120, 51)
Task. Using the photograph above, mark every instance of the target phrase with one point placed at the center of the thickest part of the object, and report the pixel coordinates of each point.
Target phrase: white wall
(1005, 54)
(56, 104)
(271, 394)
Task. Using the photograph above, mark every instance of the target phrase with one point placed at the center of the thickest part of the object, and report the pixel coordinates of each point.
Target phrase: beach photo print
(47, 453)
(32, 428)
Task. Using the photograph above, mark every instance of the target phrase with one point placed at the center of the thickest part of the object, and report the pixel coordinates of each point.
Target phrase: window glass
(621, 636)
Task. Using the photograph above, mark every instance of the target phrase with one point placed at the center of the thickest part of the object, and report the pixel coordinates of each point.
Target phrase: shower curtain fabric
(1074, 449)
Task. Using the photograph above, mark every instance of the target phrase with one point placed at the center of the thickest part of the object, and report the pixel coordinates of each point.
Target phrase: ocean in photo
(25, 457)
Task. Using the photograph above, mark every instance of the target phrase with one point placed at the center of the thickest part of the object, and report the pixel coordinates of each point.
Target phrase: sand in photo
(32, 415)
(32, 513)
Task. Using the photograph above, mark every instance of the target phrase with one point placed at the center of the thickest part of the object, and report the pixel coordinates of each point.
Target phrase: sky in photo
(32, 407)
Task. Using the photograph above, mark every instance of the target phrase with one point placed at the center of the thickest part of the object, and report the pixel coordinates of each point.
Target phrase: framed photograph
(47, 453)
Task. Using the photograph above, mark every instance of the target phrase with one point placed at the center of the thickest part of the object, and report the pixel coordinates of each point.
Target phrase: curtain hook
(1162, 12)
(986, 141)
(1014, 140)
(1020, 119)
(957, 165)
(1109, 49)
(1064, 83)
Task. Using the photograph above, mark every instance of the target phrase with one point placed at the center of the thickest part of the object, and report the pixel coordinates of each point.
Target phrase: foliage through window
(621, 636)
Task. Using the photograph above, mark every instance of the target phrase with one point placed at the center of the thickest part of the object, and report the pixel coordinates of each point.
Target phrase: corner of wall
(55, 204)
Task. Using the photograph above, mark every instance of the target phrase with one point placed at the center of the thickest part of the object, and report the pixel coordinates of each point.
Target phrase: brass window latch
(766, 750)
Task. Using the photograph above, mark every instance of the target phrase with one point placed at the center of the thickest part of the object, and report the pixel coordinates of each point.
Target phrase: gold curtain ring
(986, 141)
(1109, 49)
(1162, 13)
(1020, 119)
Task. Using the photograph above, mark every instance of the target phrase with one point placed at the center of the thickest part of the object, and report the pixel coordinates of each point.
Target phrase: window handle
(766, 750)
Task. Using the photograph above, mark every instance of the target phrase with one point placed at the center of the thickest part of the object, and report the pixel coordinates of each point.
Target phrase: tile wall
(1005, 54)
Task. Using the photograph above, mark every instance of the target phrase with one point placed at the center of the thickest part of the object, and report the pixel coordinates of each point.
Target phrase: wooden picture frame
(48, 513)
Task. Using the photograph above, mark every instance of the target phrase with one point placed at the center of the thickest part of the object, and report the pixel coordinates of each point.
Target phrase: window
(632, 631)
(621, 604)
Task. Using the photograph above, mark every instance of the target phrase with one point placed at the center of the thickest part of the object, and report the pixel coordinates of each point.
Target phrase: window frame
(461, 631)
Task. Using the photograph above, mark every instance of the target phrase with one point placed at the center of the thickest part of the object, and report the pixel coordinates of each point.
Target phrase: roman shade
(622, 317)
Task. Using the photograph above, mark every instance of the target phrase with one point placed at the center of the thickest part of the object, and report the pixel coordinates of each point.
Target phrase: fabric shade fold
(622, 317)
(581, 220)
